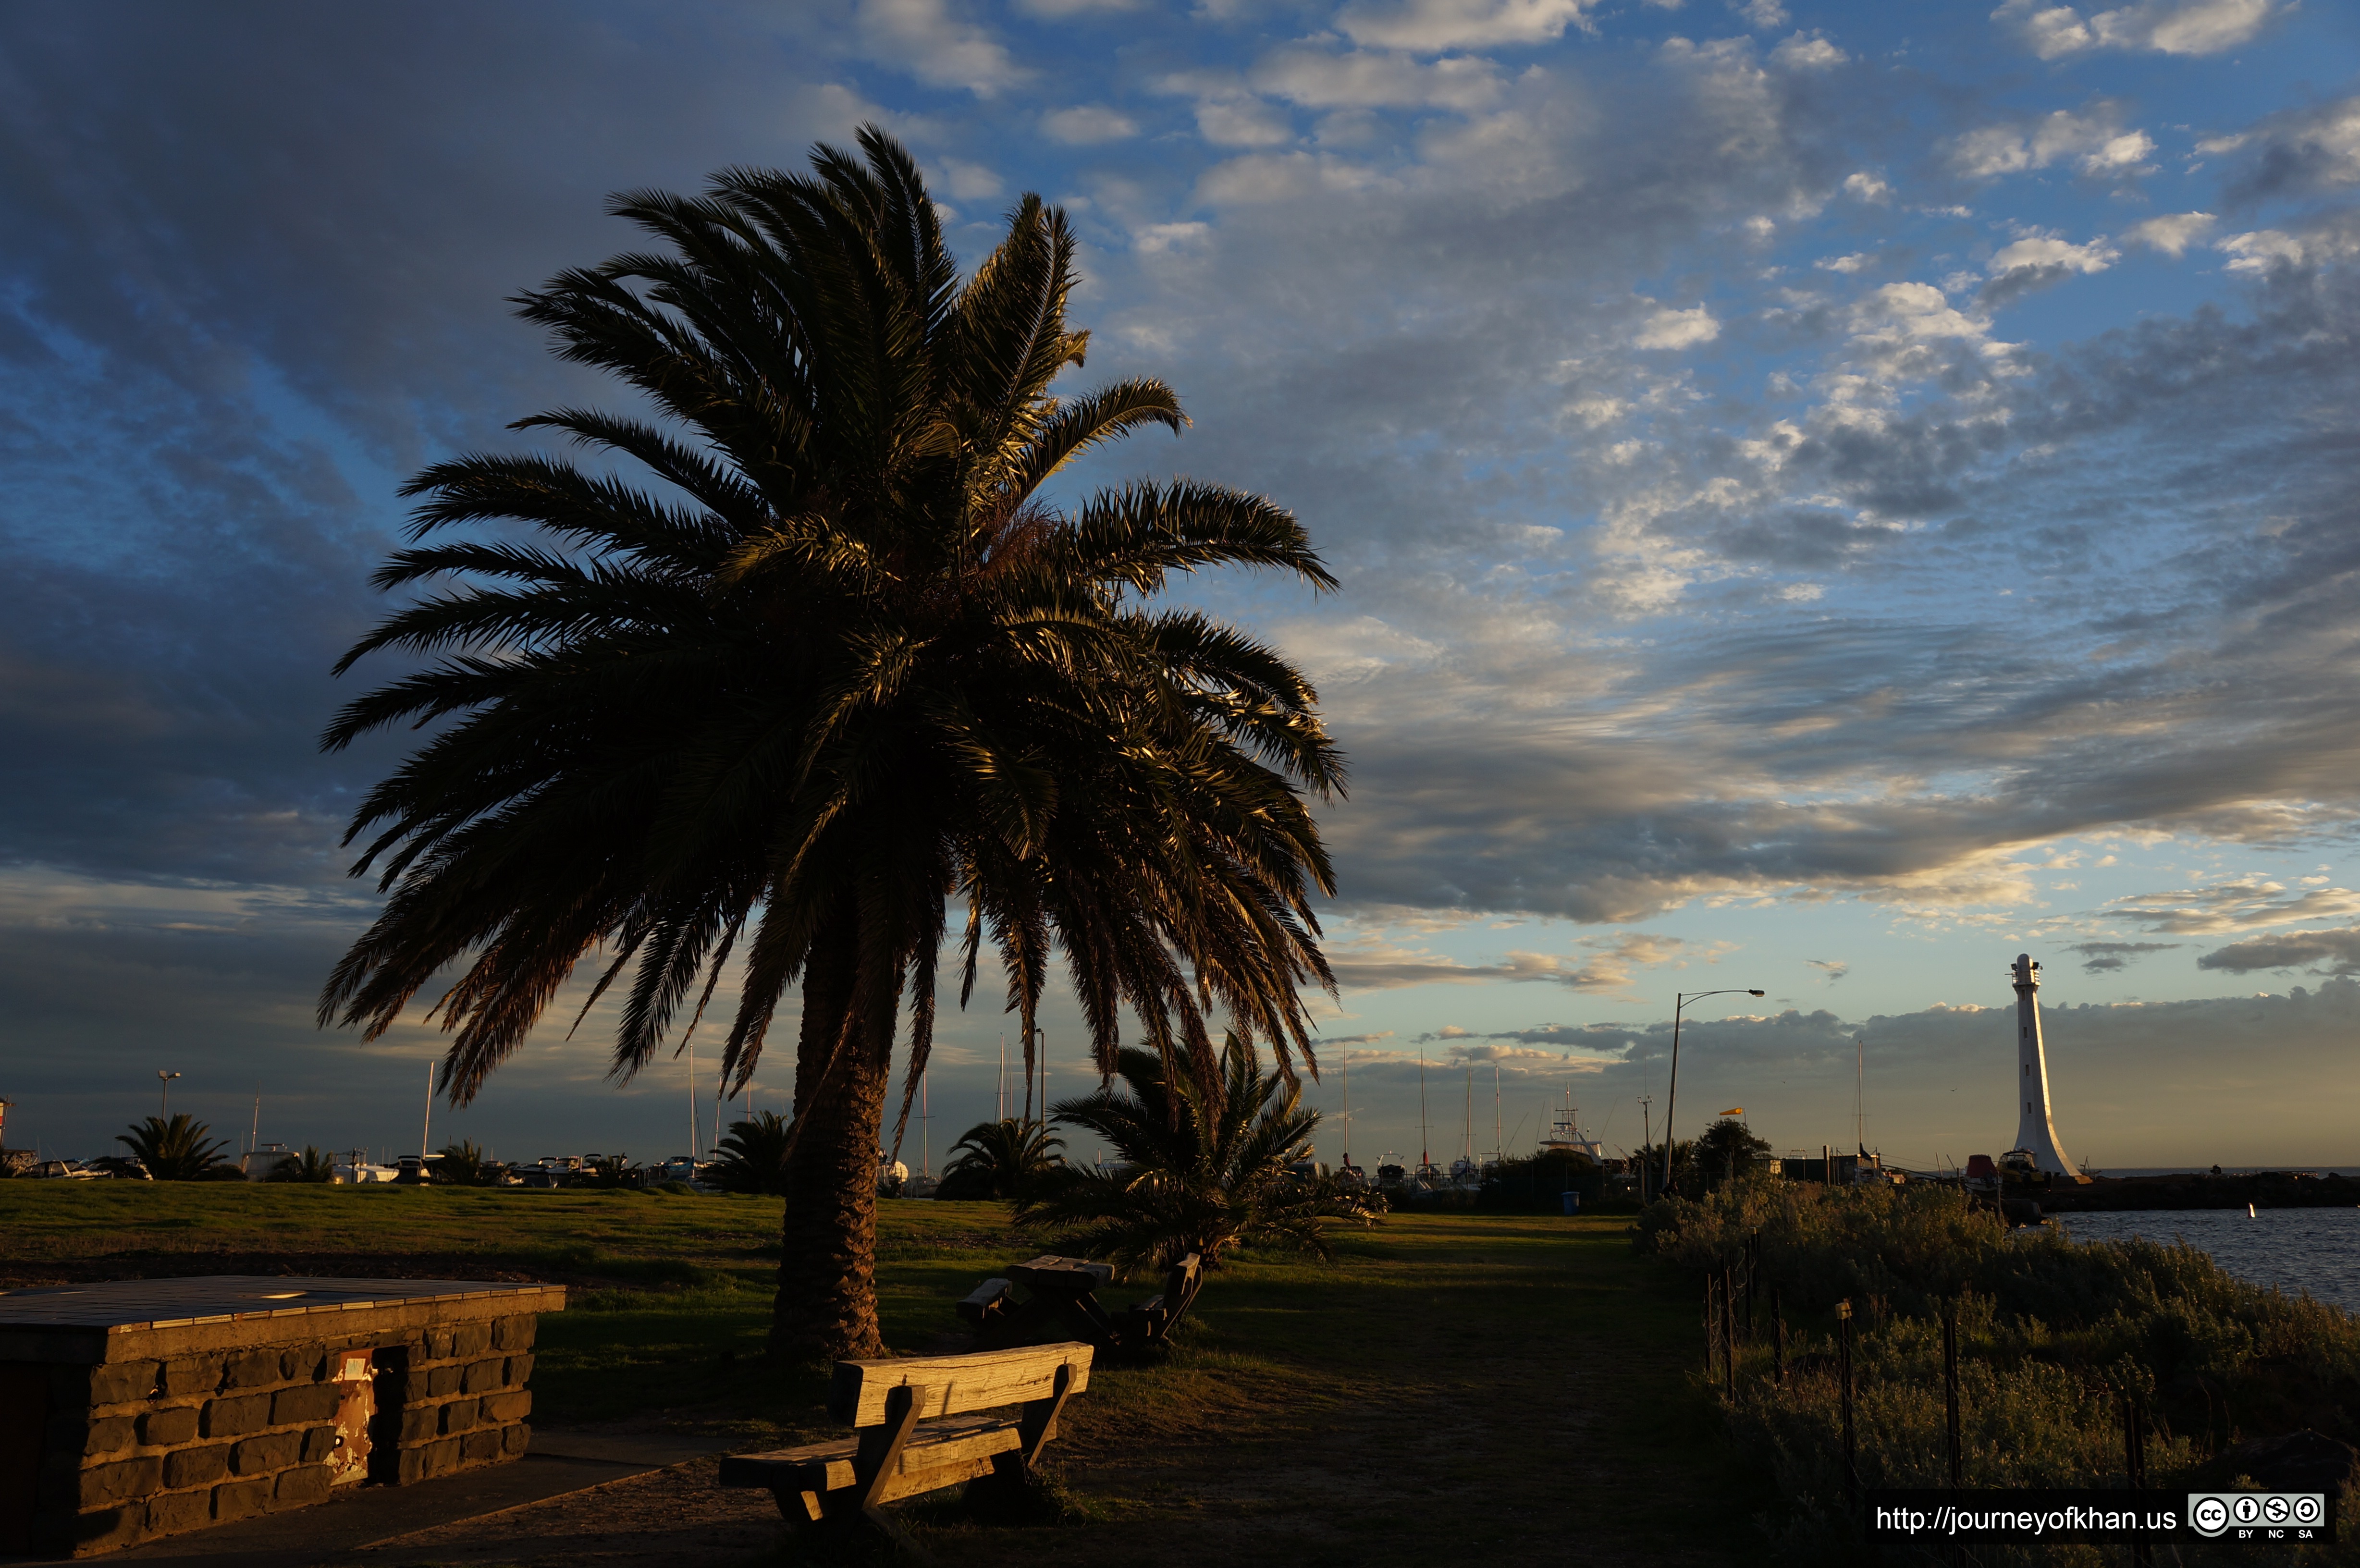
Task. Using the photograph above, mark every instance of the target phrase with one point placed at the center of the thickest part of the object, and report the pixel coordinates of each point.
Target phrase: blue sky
(1827, 497)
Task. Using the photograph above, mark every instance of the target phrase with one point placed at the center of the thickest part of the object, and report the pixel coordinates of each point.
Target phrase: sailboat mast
(1425, 1157)
(1495, 1112)
(1466, 1134)
(1348, 1110)
(1859, 1093)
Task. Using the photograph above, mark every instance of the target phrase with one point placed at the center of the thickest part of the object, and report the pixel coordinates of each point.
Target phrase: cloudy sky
(1828, 497)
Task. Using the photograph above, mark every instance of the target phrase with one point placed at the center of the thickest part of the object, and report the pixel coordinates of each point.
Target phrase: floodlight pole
(1646, 1136)
(164, 1104)
(1679, 1000)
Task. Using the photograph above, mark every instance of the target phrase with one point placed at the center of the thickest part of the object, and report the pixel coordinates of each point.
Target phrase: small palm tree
(1203, 1171)
(309, 1165)
(1006, 1159)
(462, 1164)
(175, 1151)
(753, 1158)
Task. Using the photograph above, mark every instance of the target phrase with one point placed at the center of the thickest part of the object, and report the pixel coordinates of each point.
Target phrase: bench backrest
(956, 1384)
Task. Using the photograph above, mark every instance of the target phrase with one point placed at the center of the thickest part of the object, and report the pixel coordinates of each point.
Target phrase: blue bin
(1573, 1203)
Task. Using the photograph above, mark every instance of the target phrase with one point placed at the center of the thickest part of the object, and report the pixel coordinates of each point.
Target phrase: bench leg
(1040, 1422)
(879, 1459)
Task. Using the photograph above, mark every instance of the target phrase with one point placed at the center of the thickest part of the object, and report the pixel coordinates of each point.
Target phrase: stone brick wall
(464, 1399)
(139, 1448)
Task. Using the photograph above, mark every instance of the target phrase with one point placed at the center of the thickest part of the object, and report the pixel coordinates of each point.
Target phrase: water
(2316, 1250)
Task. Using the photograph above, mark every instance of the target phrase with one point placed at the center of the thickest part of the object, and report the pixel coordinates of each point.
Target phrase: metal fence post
(1951, 1395)
(1728, 1334)
(2135, 1468)
(1843, 1366)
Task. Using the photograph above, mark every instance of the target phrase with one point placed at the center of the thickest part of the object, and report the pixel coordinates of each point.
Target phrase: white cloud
(1244, 121)
(1764, 13)
(1864, 186)
(2097, 140)
(2038, 260)
(1807, 52)
(2171, 233)
(968, 182)
(2119, 155)
(2242, 904)
(2261, 250)
(1678, 329)
(1260, 178)
(1913, 312)
(1086, 124)
(1430, 26)
(2316, 245)
(1156, 238)
(1363, 79)
(924, 37)
(1375, 965)
(2043, 251)
(2165, 27)
(1859, 261)
(1057, 9)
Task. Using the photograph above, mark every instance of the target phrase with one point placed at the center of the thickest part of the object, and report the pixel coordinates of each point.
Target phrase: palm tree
(1200, 1171)
(753, 1158)
(462, 1164)
(175, 1151)
(1006, 1159)
(850, 664)
(309, 1165)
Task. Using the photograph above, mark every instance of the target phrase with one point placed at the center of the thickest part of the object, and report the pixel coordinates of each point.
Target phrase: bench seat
(963, 1443)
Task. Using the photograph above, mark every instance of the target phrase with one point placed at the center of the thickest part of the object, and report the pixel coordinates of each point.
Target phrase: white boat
(1566, 1137)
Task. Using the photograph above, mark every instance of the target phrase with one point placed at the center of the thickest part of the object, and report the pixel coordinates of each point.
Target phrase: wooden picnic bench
(1061, 1298)
(919, 1425)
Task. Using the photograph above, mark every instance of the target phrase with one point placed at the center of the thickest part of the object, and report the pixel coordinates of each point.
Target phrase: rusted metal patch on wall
(355, 1380)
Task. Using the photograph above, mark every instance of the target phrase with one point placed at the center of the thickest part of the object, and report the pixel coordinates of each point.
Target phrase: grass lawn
(1452, 1388)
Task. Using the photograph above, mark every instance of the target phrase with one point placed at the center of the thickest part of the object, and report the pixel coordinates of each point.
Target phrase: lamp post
(164, 1107)
(1671, 1100)
(1646, 1136)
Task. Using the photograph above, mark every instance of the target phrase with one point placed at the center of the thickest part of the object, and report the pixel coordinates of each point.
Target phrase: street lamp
(164, 1109)
(1681, 999)
(1646, 1136)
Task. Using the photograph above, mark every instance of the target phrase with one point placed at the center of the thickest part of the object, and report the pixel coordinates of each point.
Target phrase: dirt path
(674, 1517)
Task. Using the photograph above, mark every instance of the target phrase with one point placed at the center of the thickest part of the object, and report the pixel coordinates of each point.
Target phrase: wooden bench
(919, 1425)
(1061, 1300)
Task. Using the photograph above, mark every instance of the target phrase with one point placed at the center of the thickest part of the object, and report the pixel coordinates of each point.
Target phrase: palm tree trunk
(826, 1304)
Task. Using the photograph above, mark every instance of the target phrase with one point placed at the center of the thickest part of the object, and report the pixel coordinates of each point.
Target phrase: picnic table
(1060, 1301)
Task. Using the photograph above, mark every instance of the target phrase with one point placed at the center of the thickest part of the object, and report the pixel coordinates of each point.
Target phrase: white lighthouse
(2035, 1134)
